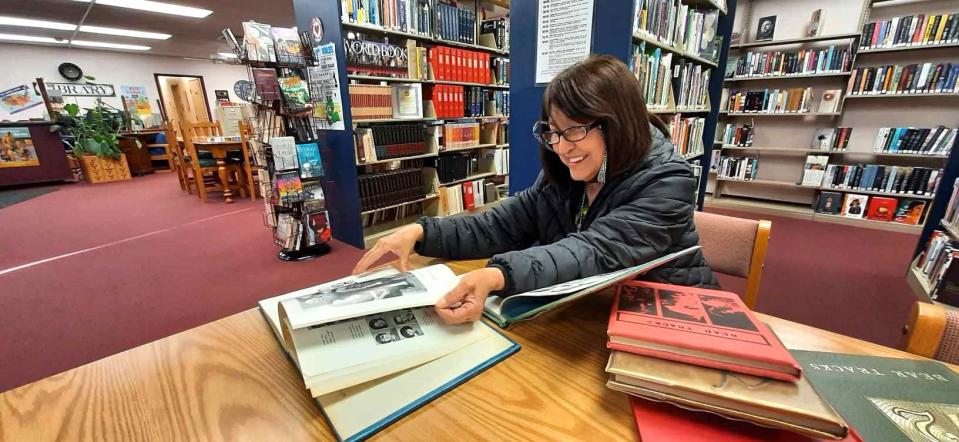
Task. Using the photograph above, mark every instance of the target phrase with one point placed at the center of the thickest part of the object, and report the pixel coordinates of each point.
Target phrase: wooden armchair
(204, 167)
(736, 247)
(933, 332)
(175, 151)
(204, 129)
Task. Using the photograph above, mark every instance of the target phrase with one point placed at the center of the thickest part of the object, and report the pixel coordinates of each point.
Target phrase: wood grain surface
(229, 380)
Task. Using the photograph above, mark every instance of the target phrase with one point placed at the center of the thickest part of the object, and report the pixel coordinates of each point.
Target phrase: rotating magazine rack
(294, 198)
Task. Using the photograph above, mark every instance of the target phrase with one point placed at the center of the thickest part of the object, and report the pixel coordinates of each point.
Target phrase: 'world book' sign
(83, 90)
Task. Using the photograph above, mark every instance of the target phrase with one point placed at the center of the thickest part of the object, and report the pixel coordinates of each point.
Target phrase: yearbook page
(366, 294)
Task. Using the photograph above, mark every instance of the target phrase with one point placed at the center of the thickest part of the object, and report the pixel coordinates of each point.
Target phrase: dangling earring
(601, 176)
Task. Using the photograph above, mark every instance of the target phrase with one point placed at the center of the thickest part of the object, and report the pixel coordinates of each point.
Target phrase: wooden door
(201, 110)
(182, 104)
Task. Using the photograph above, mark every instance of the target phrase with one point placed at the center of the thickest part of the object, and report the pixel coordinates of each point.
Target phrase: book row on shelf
(309, 230)
(779, 101)
(871, 177)
(736, 168)
(908, 211)
(951, 217)
(925, 141)
(687, 134)
(368, 56)
(679, 25)
(834, 59)
(406, 100)
(466, 196)
(384, 142)
(459, 135)
(692, 86)
(390, 188)
(911, 79)
(457, 166)
(936, 265)
(911, 30)
(654, 72)
(438, 20)
(739, 136)
(833, 138)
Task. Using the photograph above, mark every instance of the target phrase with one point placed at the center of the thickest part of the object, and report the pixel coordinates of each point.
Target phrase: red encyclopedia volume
(696, 326)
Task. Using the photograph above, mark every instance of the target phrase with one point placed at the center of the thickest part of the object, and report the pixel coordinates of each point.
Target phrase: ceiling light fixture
(28, 38)
(152, 6)
(97, 44)
(25, 22)
(226, 54)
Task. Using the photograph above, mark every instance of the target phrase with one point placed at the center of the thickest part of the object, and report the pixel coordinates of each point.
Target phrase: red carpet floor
(841, 278)
(89, 271)
(187, 264)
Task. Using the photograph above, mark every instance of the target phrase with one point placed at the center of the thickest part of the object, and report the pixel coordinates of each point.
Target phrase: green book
(887, 399)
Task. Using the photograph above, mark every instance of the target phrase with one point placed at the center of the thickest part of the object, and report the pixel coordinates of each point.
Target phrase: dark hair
(601, 88)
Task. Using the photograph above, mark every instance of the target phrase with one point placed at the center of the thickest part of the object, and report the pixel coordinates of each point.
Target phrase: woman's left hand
(466, 301)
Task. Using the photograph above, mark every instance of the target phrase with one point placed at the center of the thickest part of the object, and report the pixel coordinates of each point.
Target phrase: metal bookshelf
(792, 41)
(908, 48)
(788, 76)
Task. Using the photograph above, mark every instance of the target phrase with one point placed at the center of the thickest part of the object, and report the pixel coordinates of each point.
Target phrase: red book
(433, 56)
(469, 202)
(882, 208)
(663, 422)
(696, 326)
(444, 63)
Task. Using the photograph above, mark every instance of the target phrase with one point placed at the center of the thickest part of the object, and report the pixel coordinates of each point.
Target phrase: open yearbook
(371, 349)
(506, 311)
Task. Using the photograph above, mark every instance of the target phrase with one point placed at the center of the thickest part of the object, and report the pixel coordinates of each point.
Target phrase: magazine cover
(16, 148)
(313, 198)
(289, 49)
(829, 203)
(318, 228)
(294, 92)
(311, 166)
(258, 42)
(909, 211)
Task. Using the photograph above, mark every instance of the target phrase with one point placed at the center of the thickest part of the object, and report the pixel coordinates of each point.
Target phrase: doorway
(183, 98)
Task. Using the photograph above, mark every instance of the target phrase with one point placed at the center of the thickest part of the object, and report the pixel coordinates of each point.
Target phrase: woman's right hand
(400, 243)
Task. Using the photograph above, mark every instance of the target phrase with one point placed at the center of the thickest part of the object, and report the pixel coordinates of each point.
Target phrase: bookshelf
(487, 126)
(866, 114)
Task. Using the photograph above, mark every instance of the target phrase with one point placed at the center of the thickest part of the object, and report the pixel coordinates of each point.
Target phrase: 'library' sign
(83, 89)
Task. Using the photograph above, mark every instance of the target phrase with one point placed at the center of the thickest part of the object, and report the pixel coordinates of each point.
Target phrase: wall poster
(16, 148)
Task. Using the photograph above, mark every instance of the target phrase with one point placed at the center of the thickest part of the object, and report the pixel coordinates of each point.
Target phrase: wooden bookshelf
(781, 114)
(878, 193)
(950, 230)
(792, 41)
(414, 80)
(903, 95)
(469, 178)
(908, 48)
(419, 200)
(788, 76)
(420, 37)
(642, 37)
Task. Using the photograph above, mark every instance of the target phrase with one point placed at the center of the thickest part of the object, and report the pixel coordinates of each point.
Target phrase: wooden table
(229, 380)
(219, 150)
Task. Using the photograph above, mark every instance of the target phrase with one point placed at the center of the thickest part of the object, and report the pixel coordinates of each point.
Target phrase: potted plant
(95, 143)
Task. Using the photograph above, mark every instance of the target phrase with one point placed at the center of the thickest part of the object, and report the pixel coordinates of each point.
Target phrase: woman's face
(584, 157)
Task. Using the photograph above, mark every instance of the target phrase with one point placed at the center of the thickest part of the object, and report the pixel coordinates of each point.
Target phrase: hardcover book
(789, 406)
(696, 326)
(313, 198)
(663, 422)
(284, 153)
(290, 188)
(887, 399)
(854, 205)
(295, 93)
(882, 208)
(318, 228)
(814, 169)
(909, 211)
(829, 203)
(266, 84)
(371, 349)
(258, 42)
(311, 166)
(506, 311)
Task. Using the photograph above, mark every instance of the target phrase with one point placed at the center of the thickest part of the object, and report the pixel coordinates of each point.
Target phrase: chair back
(203, 129)
(735, 247)
(933, 332)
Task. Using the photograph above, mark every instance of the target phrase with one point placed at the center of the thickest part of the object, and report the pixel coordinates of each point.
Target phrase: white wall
(22, 64)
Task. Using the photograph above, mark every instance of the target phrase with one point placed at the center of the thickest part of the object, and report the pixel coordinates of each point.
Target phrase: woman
(612, 194)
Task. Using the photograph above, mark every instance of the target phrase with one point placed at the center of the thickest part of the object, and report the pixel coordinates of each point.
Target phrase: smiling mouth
(576, 159)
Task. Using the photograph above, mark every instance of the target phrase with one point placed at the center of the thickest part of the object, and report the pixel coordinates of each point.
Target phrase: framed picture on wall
(766, 28)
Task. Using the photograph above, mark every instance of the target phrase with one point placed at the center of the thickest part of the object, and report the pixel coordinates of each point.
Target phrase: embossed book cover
(696, 326)
(888, 399)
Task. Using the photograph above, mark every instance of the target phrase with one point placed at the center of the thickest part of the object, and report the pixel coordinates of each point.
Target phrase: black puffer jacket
(638, 216)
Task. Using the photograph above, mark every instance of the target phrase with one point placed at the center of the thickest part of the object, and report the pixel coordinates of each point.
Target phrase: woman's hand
(466, 301)
(400, 243)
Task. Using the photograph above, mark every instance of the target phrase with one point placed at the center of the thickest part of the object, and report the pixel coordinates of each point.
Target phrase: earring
(601, 176)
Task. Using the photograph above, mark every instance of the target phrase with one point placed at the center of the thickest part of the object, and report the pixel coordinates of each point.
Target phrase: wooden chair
(204, 167)
(933, 332)
(180, 166)
(167, 152)
(735, 247)
(204, 129)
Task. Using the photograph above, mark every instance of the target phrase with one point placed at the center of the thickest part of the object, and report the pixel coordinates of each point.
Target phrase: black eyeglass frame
(538, 134)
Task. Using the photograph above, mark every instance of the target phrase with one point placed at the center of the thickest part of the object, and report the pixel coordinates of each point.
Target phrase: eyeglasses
(572, 134)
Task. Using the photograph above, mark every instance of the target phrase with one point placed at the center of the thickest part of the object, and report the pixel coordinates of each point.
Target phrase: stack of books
(384, 189)
(371, 102)
(389, 141)
(687, 134)
(499, 30)
(455, 166)
(880, 178)
(460, 135)
(463, 65)
(448, 100)
(704, 350)
(465, 196)
(654, 72)
(738, 168)
(925, 78)
(736, 136)
(912, 140)
(912, 30)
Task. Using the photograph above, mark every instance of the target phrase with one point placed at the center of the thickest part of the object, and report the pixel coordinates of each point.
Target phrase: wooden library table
(219, 150)
(229, 380)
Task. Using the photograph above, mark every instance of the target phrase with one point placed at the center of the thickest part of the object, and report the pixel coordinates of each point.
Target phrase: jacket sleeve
(637, 231)
(511, 225)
